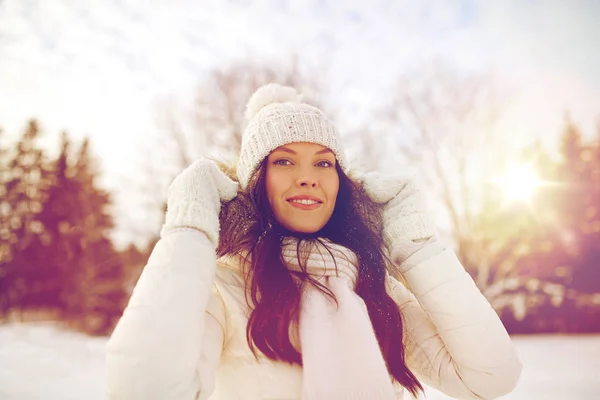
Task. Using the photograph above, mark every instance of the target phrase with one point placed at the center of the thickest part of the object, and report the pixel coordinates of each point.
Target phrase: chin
(303, 230)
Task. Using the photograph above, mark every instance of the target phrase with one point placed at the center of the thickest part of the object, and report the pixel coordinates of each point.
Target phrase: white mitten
(194, 199)
(404, 214)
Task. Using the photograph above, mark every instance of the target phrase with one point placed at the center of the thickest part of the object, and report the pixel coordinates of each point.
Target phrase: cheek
(270, 190)
(335, 187)
(273, 188)
(332, 187)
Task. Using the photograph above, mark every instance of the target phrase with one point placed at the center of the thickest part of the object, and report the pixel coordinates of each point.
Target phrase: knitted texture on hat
(278, 117)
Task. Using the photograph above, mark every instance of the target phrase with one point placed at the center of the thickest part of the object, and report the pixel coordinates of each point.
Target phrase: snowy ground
(44, 363)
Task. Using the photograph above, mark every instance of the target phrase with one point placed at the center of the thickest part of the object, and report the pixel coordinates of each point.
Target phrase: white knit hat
(276, 116)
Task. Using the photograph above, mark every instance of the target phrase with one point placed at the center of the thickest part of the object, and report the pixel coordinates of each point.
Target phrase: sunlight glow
(519, 183)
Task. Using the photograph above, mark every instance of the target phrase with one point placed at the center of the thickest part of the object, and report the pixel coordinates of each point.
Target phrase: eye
(325, 164)
(282, 161)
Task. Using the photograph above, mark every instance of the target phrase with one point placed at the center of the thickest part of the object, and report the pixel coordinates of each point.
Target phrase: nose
(306, 180)
(308, 183)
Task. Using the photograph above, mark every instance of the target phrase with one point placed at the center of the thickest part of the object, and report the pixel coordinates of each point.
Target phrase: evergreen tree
(561, 264)
(580, 208)
(92, 294)
(55, 224)
(61, 203)
(5, 231)
(25, 182)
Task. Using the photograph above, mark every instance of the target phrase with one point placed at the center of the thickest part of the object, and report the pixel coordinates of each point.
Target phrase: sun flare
(519, 183)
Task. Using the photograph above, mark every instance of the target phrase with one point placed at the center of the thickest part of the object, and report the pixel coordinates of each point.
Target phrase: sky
(99, 67)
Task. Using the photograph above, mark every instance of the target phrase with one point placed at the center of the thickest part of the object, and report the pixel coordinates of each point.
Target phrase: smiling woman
(302, 186)
(276, 282)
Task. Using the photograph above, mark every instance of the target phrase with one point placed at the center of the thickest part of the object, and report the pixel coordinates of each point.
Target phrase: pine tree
(92, 294)
(61, 202)
(55, 224)
(5, 231)
(580, 208)
(25, 184)
(562, 262)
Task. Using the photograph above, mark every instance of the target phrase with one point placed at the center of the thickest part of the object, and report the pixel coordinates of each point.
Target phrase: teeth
(305, 201)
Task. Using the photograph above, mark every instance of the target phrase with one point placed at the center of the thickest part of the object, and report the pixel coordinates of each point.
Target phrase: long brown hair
(248, 225)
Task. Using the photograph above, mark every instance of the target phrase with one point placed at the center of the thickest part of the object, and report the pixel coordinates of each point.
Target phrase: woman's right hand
(194, 199)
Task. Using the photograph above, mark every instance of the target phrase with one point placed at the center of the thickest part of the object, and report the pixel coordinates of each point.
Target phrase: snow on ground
(43, 362)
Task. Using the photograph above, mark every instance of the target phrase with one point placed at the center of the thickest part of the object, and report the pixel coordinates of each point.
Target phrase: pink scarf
(340, 354)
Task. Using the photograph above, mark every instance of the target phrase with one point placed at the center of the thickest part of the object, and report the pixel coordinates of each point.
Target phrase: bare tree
(215, 121)
(212, 123)
(444, 126)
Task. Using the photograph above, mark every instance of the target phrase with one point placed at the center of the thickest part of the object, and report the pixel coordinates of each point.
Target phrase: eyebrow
(286, 150)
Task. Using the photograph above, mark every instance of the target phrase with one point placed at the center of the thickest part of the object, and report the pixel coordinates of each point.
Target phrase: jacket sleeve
(168, 342)
(454, 340)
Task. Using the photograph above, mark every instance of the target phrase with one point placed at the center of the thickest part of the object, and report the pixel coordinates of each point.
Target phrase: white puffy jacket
(183, 333)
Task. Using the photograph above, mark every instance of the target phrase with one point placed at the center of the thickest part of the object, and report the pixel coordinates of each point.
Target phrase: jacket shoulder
(230, 281)
(230, 271)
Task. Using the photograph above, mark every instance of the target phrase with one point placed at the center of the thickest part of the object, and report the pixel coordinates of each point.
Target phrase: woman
(277, 284)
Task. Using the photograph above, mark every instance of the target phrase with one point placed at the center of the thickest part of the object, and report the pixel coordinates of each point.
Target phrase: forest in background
(537, 263)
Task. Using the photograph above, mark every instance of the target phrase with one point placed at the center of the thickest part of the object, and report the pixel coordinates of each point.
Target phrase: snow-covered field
(42, 362)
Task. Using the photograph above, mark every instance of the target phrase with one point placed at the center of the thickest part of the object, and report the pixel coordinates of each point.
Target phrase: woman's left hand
(405, 217)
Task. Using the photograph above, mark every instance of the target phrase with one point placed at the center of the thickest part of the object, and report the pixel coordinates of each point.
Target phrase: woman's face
(302, 185)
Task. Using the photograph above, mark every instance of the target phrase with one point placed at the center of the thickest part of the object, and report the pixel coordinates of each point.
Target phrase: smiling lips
(305, 202)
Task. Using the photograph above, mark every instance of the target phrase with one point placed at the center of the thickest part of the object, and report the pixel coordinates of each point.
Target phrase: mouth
(305, 202)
